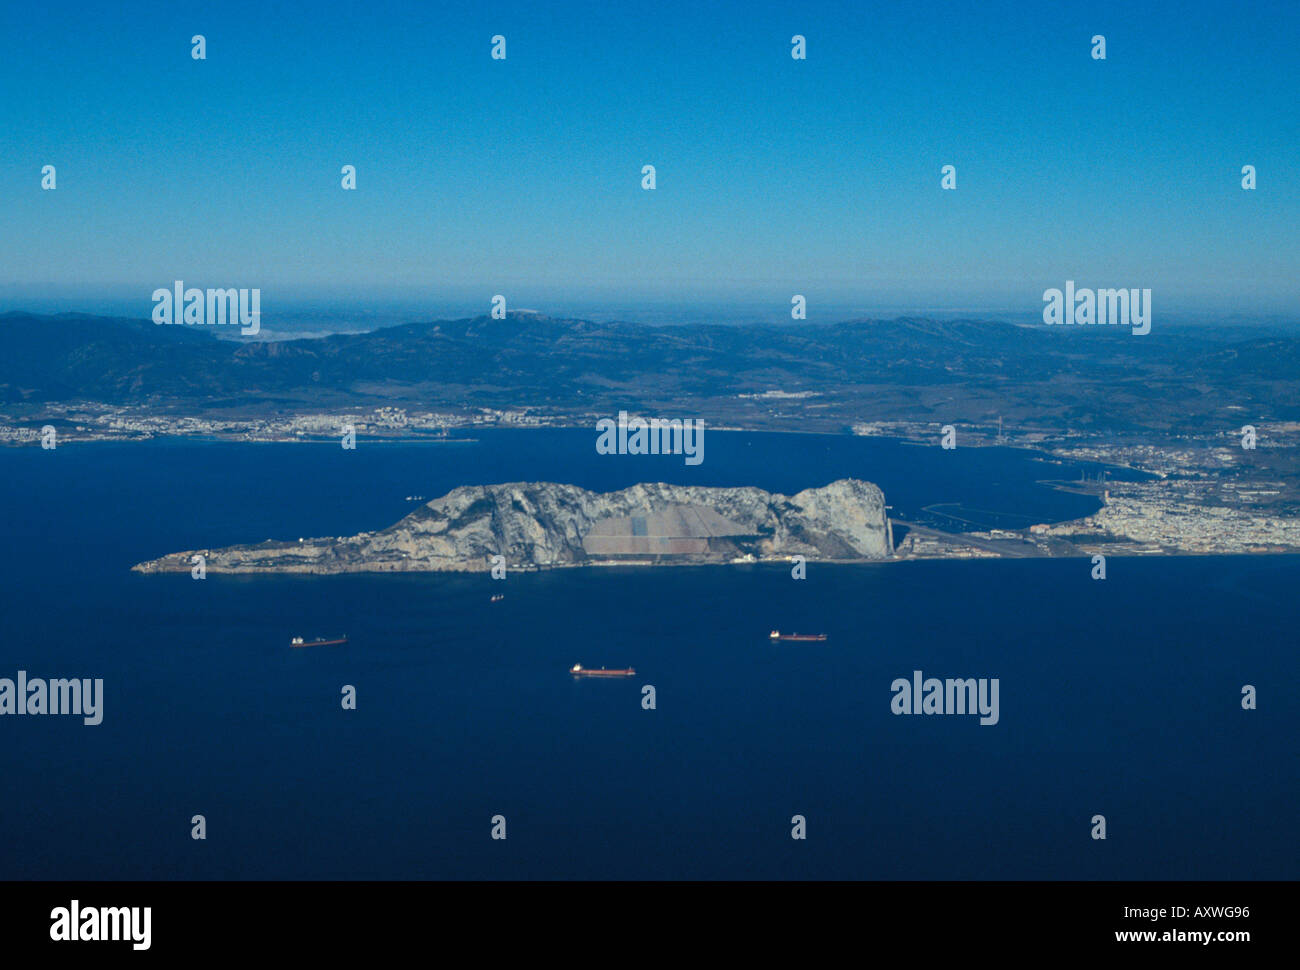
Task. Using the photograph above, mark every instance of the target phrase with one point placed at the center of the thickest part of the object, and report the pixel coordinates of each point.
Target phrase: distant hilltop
(542, 524)
(818, 376)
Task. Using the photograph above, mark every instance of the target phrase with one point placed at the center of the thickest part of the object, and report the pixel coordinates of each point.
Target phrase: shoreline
(1150, 499)
(639, 567)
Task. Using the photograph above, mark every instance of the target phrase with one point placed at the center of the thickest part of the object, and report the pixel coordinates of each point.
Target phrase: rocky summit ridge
(543, 524)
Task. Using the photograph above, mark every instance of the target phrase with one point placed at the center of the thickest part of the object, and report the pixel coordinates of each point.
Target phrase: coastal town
(101, 422)
(1194, 496)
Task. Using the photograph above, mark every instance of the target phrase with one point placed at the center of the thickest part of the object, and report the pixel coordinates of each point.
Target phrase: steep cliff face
(542, 524)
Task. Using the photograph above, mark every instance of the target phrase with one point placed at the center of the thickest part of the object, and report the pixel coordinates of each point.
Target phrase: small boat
(798, 637)
(317, 642)
(498, 597)
(578, 670)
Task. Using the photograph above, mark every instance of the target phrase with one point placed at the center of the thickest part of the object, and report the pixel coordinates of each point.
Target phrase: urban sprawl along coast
(1206, 496)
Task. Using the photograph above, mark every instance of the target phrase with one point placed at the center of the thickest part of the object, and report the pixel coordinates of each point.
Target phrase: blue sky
(774, 176)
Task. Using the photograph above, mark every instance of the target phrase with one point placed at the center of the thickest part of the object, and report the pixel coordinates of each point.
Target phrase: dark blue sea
(1118, 697)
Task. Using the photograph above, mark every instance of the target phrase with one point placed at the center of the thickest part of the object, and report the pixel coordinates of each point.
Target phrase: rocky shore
(541, 524)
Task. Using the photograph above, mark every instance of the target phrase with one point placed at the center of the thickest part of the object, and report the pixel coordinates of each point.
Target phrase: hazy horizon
(300, 315)
(775, 176)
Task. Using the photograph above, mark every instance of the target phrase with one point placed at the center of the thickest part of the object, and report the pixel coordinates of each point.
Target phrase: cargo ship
(317, 642)
(578, 670)
(798, 637)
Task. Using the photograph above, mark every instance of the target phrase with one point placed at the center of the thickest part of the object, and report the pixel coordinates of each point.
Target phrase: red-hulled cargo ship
(798, 637)
(578, 670)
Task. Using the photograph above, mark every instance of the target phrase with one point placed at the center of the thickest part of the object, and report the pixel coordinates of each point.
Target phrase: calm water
(1118, 697)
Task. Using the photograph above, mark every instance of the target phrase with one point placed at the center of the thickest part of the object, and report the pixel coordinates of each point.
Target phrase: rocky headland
(542, 524)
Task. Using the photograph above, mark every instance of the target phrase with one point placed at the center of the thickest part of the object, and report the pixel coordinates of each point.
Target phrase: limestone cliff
(545, 524)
